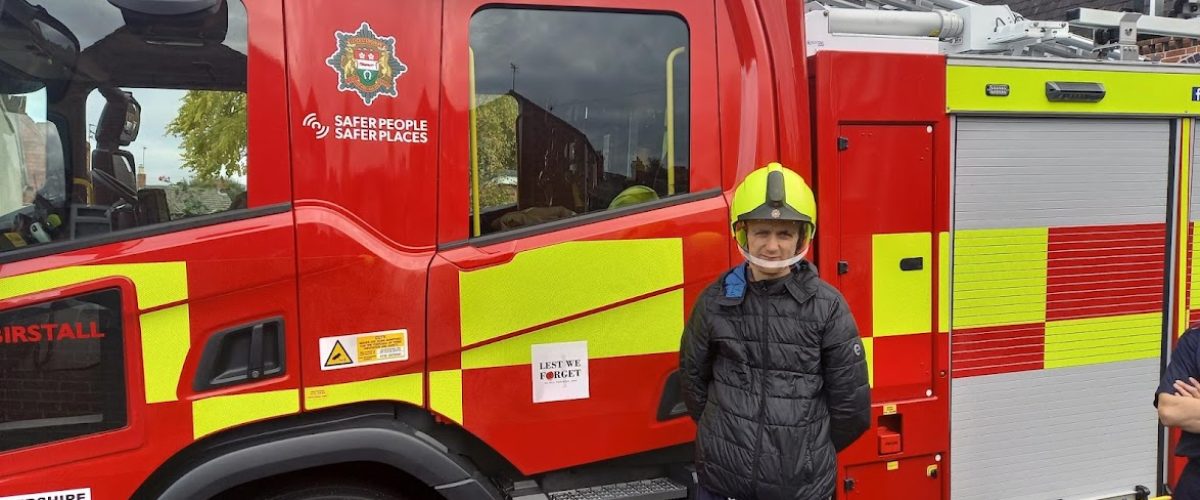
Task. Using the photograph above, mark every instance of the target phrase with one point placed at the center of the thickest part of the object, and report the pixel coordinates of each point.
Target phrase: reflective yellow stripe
(445, 394)
(166, 339)
(943, 282)
(901, 301)
(156, 283)
(1126, 91)
(869, 350)
(999, 277)
(648, 326)
(407, 388)
(550, 283)
(1194, 286)
(1184, 201)
(210, 415)
(1108, 339)
(166, 334)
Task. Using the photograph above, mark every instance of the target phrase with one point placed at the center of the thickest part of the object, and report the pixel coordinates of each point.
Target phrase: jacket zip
(762, 400)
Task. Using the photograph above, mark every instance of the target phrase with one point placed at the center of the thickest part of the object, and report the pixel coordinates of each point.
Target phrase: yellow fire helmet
(773, 192)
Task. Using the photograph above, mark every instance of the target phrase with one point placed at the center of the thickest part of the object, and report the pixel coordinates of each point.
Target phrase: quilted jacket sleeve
(844, 368)
(695, 361)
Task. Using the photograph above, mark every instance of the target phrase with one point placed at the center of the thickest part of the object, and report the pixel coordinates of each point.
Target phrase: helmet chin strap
(773, 264)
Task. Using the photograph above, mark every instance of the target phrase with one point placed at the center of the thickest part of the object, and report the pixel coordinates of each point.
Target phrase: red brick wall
(1169, 50)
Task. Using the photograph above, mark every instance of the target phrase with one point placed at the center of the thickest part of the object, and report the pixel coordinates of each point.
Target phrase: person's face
(772, 240)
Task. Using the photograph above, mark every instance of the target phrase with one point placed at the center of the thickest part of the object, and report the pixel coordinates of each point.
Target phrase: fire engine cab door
(1059, 238)
(364, 112)
(572, 243)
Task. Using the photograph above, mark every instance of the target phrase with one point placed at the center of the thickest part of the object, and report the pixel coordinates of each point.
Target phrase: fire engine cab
(446, 249)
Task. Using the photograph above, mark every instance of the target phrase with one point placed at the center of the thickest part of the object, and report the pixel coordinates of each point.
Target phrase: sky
(159, 152)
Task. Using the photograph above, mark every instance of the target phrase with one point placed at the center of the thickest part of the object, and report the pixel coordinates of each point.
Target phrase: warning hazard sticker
(338, 356)
(349, 351)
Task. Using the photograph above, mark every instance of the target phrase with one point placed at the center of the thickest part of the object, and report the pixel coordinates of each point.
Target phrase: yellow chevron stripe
(944, 282)
(901, 301)
(445, 394)
(166, 339)
(213, 414)
(157, 283)
(648, 326)
(999, 277)
(546, 284)
(1184, 201)
(1109, 339)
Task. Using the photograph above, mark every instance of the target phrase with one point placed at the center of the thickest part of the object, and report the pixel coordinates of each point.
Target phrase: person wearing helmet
(772, 366)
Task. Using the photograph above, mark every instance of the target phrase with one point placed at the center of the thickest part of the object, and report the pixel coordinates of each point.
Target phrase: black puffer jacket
(774, 373)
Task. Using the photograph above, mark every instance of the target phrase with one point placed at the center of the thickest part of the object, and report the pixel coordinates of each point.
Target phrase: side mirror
(176, 21)
(51, 48)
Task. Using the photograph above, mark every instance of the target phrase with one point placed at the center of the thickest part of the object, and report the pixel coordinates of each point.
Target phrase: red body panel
(747, 101)
(114, 464)
(1104, 271)
(893, 178)
(239, 272)
(618, 419)
(912, 476)
(1000, 349)
(364, 209)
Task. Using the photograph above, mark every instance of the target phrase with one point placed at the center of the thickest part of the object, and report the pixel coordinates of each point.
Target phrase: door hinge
(843, 143)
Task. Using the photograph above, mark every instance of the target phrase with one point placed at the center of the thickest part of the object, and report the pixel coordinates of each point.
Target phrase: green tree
(496, 126)
(187, 198)
(212, 125)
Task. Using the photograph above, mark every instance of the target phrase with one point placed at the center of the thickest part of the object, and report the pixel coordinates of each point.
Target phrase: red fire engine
(453, 243)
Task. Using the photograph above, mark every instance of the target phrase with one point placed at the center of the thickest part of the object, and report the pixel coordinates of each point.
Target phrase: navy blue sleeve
(1182, 365)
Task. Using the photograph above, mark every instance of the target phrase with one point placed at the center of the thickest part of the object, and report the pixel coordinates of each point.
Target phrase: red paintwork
(893, 178)
(885, 184)
(1104, 271)
(618, 419)
(998, 349)
(365, 211)
(748, 137)
(784, 25)
(910, 476)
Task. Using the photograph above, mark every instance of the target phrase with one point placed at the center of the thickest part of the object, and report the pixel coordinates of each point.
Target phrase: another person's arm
(844, 367)
(1178, 403)
(1179, 411)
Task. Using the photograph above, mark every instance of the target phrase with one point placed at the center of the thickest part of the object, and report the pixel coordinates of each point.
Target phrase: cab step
(647, 489)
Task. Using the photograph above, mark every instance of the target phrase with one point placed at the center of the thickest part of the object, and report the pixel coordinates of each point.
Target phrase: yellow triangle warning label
(338, 356)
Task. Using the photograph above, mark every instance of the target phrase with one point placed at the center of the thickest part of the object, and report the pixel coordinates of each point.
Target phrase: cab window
(575, 120)
(115, 122)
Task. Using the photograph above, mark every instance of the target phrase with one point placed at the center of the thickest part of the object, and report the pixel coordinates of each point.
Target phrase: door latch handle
(912, 264)
(843, 267)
